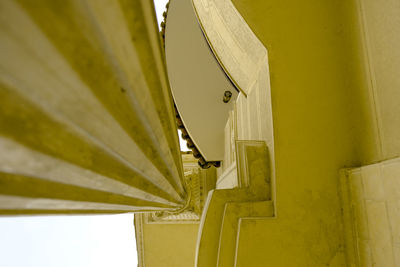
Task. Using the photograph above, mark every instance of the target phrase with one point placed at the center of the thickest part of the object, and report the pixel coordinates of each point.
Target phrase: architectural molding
(198, 184)
(139, 221)
(235, 46)
(370, 207)
(219, 225)
(203, 163)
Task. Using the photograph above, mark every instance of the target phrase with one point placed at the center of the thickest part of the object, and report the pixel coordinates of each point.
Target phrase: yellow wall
(169, 245)
(316, 82)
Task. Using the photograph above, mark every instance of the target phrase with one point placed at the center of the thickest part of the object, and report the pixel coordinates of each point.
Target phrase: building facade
(292, 109)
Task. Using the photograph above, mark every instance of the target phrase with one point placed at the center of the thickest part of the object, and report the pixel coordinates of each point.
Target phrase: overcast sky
(65, 241)
(160, 8)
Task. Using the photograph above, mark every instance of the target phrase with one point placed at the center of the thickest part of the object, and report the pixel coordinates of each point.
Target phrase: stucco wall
(169, 245)
(315, 107)
(335, 104)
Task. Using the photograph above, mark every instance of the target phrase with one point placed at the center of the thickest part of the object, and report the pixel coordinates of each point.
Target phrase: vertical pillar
(86, 115)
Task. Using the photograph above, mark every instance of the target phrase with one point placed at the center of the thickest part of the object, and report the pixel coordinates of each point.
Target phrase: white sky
(160, 8)
(65, 241)
(182, 142)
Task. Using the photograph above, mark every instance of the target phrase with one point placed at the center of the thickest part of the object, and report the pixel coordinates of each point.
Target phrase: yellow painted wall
(321, 124)
(169, 245)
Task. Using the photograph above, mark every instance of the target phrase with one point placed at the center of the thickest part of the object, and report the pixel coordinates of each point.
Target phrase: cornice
(185, 135)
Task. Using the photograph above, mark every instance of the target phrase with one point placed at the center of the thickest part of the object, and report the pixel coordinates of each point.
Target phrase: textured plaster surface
(170, 245)
(313, 106)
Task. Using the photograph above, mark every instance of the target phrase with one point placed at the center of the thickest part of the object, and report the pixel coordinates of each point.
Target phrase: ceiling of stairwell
(197, 81)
